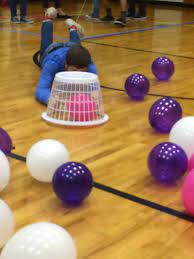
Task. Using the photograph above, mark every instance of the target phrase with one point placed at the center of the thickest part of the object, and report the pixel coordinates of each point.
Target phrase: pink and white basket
(76, 100)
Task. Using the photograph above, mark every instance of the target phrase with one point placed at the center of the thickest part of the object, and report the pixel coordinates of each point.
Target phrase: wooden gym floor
(107, 225)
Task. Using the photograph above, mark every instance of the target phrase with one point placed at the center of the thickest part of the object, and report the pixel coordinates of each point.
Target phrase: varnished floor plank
(105, 226)
(117, 152)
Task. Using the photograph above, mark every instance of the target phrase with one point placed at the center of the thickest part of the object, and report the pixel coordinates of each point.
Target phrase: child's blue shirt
(53, 63)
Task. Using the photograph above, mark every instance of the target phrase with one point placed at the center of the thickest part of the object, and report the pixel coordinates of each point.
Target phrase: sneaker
(64, 16)
(15, 20)
(80, 29)
(107, 18)
(91, 17)
(120, 22)
(24, 19)
(51, 13)
(139, 17)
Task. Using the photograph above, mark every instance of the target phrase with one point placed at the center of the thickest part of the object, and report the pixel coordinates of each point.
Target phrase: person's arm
(43, 89)
(92, 69)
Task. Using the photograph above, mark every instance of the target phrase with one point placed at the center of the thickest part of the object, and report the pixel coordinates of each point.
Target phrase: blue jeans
(13, 7)
(47, 44)
(96, 9)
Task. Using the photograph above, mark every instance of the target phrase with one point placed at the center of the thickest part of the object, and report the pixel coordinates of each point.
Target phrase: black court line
(112, 34)
(152, 94)
(37, 62)
(17, 157)
(145, 202)
(139, 50)
(130, 197)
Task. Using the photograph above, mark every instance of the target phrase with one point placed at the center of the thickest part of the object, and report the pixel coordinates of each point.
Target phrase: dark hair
(78, 56)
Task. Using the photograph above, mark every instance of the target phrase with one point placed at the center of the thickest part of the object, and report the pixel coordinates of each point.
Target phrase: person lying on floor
(59, 56)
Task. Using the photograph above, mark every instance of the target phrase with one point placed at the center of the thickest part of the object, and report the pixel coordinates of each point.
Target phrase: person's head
(78, 59)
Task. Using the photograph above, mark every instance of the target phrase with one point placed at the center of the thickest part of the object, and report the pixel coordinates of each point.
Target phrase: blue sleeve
(92, 69)
(43, 89)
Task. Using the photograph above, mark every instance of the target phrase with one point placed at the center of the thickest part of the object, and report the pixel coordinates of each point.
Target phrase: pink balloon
(188, 193)
(191, 163)
(82, 107)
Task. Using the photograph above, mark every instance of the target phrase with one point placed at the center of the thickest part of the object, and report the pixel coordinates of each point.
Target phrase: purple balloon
(167, 162)
(5, 142)
(163, 68)
(164, 113)
(72, 183)
(137, 86)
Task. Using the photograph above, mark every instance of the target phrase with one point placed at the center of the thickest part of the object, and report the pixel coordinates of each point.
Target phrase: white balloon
(45, 157)
(7, 223)
(41, 241)
(182, 133)
(4, 171)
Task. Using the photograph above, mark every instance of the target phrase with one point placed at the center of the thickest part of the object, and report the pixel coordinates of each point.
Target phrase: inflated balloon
(191, 163)
(137, 86)
(182, 133)
(40, 240)
(4, 171)
(45, 157)
(5, 142)
(164, 113)
(82, 107)
(163, 68)
(72, 183)
(188, 193)
(7, 223)
(167, 162)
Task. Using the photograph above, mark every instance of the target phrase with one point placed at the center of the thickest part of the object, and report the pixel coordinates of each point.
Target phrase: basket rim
(75, 123)
(75, 77)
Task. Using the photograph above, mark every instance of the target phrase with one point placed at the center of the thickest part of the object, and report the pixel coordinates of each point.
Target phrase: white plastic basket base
(75, 123)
